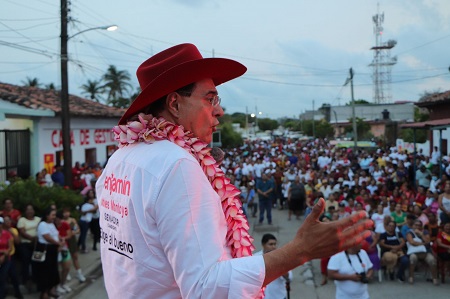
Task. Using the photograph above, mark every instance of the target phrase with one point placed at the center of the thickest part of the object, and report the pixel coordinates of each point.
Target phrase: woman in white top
(378, 219)
(47, 275)
(444, 203)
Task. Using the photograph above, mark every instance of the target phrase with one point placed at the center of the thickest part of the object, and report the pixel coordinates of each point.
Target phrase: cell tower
(382, 62)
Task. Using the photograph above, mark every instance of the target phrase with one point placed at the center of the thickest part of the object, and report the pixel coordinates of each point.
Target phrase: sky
(298, 52)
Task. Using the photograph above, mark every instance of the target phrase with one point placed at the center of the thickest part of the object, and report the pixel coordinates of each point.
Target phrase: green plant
(24, 192)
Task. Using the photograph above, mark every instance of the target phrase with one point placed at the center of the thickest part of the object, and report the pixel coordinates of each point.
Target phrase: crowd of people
(56, 233)
(407, 196)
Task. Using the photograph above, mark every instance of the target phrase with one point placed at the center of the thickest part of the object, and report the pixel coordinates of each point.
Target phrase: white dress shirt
(163, 229)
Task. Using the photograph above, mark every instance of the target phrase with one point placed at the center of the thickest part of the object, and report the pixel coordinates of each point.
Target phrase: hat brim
(220, 70)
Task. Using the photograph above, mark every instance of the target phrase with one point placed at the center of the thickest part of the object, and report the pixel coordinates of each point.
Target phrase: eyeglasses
(214, 100)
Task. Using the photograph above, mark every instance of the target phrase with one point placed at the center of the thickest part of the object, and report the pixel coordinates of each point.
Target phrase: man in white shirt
(171, 223)
(278, 288)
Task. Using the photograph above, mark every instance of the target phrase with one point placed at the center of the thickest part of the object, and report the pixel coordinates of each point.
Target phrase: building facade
(37, 111)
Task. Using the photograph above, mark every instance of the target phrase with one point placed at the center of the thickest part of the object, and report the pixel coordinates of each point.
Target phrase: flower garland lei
(149, 129)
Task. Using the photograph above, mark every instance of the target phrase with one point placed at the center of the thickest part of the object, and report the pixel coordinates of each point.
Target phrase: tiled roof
(35, 98)
(437, 98)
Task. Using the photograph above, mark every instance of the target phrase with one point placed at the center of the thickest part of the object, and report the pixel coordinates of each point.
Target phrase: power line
(29, 27)
(29, 7)
(425, 44)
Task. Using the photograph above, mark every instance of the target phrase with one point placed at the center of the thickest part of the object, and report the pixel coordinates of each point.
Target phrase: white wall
(86, 133)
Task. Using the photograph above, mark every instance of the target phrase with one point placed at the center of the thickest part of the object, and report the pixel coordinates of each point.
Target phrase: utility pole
(313, 122)
(355, 132)
(246, 121)
(65, 114)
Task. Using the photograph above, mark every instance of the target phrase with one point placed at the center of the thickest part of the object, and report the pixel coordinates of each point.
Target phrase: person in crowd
(9, 210)
(278, 288)
(168, 176)
(443, 248)
(64, 258)
(444, 203)
(417, 241)
(264, 189)
(47, 274)
(284, 192)
(27, 227)
(370, 246)
(331, 201)
(87, 211)
(247, 193)
(324, 261)
(378, 219)
(6, 244)
(12, 272)
(392, 244)
(72, 244)
(423, 176)
(58, 176)
(432, 227)
(410, 218)
(420, 213)
(351, 270)
(95, 222)
(399, 215)
(296, 198)
(342, 212)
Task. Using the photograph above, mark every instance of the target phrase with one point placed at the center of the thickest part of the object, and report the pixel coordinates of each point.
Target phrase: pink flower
(149, 129)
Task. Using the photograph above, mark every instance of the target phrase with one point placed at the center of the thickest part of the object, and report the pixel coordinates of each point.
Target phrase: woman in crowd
(64, 259)
(73, 244)
(296, 198)
(417, 242)
(6, 244)
(444, 203)
(378, 219)
(399, 216)
(12, 272)
(443, 247)
(47, 276)
(27, 227)
(392, 244)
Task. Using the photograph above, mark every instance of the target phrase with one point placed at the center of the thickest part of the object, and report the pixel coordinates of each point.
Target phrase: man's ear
(173, 104)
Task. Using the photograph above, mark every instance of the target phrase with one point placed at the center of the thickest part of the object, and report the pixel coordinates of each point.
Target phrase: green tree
(120, 102)
(93, 89)
(421, 135)
(322, 128)
(359, 102)
(117, 85)
(267, 124)
(31, 82)
(362, 128)
(50, 86)
(229, 137)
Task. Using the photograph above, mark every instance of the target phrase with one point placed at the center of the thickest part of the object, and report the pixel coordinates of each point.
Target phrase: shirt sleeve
(192, 227)
(334, 262)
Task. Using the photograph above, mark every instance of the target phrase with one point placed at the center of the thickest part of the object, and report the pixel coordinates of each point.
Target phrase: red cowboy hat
(174, 68)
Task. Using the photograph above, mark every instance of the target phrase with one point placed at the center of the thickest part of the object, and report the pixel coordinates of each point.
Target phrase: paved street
(306, 282)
